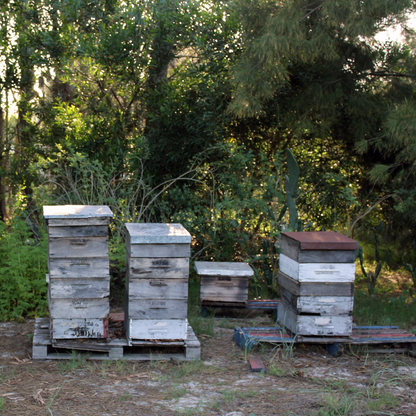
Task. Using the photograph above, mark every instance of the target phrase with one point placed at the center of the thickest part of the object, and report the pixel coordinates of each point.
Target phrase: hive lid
(321, 240)
(76, 211)
(214, 268)
(158, 233)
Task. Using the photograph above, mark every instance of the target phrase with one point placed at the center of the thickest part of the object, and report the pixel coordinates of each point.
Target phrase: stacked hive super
(316, 278)
(79, 276)
(157, 282)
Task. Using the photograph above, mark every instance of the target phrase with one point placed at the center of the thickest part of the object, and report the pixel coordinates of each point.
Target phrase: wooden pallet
(247, 338)
(115, 349)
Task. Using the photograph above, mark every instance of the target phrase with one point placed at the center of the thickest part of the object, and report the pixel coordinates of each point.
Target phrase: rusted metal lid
(321, 240)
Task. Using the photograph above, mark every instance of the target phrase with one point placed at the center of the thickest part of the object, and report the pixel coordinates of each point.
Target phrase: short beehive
(156, 301)
(79, 274)
(316, 278)
(223, 282)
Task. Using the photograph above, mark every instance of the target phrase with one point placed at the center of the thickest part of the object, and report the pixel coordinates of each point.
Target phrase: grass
(77, 361)
(2, 401)
(336, 405)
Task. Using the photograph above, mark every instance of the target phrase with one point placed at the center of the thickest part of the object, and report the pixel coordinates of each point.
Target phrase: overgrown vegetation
(173, 111)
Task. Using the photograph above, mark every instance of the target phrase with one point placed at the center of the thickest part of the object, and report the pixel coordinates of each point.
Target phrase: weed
(336, 406)
(177, 392)
(121, 366)
(52, 398)
(274, 370)
(383, 401)
(77, 361)
(125, 397)
(1, 403)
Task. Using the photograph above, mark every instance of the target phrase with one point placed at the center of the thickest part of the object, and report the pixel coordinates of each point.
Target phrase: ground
(304, 380)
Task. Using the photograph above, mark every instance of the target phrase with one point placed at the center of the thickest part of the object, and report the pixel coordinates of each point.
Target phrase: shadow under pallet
(44, 348)
(392, 338)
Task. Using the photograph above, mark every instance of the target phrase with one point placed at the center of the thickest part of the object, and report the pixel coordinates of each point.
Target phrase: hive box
(79, 277)
(157, 281)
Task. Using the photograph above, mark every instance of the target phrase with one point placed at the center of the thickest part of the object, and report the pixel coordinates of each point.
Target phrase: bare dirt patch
(311, 382)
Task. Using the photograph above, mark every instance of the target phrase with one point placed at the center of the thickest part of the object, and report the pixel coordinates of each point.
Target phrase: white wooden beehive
(79, 273)
(156, 300)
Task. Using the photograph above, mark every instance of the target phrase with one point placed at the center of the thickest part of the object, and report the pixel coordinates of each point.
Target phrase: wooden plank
(224, 289)
(158, 250)
(78, 247)
(157, 289)
(157, 308)
(291, 248)
(79, 288)
(80, 231)
(157, 329)
(256, 363)
(323, 305)
(165, 268)
(314, 324)
(79, 328)
(321, 240)
(231, 269)
(317, 272)
(81, 267)
(169, 233)
(315, 289)
(78, 308)
(79, 222)
(76, 211)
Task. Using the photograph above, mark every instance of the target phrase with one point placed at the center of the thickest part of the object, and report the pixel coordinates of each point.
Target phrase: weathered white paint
(314, 324)
(157, 308)
(224, 289)
(78, 328)
(76, 211)
(158, 250)
(79, 267)
(317, 272)
(156, 267)
(232, 269)
(78, 247)
(157, 329)
(157, 234)
(79, 288)
(158, 289)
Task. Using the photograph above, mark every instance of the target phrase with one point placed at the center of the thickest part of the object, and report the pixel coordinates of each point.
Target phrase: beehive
(223, 282)
(157, 281)
(316, 278)
(79, 274)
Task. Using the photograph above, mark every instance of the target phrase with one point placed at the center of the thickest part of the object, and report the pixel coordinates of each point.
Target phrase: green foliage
(291, 188)
(384, 310)
(411, 267)
(372, 276)
(23, 266)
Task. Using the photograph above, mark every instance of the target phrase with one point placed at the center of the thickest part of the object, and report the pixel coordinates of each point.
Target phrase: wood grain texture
(79, 328)
(157, 308)
(157, 233)
(291, 248)
(79, 308)
(317, 272)
(158, 267)
(231, 269)
(78, 222)
(315, 289)
(157, 289)
(83, 231)
(78, 247)
(79, 288)
(81, 267)
(329, 325)
(224, 289)
(323, 305)
(158, 250)
(321, 240)
(157, 329)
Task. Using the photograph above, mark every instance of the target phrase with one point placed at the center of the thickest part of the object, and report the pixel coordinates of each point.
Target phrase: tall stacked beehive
(316, 278)
(157, 281)
(79, 275)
